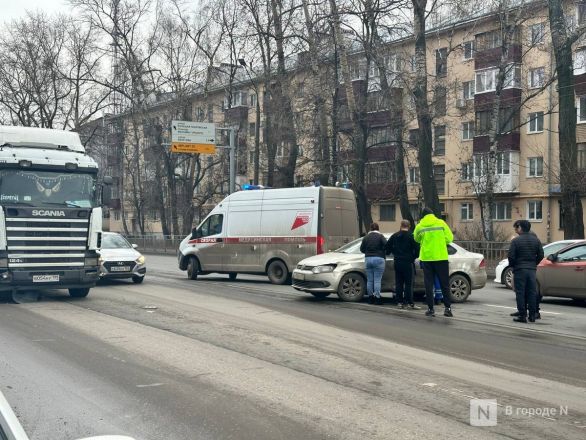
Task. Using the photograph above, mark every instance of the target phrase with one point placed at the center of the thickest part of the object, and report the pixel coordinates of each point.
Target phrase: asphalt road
(219, 359)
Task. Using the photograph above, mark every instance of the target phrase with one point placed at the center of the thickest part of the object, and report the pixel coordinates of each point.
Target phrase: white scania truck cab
(50, 214)
(268, 231)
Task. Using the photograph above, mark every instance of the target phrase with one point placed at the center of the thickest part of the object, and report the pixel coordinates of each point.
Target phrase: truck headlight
(140, 260)
(324, 269)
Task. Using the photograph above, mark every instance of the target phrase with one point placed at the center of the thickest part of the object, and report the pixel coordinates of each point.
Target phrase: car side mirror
(552, 257)
(134, 246)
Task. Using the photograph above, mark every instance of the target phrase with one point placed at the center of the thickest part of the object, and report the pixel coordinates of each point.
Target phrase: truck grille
(38, 243)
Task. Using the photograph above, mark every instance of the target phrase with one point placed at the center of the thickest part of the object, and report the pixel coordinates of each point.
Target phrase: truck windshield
(37, 188)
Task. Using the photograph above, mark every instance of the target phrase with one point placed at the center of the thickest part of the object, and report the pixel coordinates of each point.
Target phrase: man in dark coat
(405, 250)
(525, 253)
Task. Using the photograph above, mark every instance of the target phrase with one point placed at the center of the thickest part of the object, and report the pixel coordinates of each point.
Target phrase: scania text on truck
(50, 214)
(268, 231)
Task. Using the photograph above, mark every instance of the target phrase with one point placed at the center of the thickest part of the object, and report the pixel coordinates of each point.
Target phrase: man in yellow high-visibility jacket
(433, 236)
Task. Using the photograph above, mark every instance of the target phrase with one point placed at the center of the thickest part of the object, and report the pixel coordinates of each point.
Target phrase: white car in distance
(504, 272)
(120, 259)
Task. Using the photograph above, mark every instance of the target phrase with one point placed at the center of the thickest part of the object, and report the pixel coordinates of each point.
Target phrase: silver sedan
(343, 272)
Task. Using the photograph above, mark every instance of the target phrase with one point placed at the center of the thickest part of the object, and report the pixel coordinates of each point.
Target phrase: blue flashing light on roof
(248, 186)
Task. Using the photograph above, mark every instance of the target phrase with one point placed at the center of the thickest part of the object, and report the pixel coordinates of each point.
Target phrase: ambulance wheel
(192, 268)
(277, 272)
(232, 276)
(79, 293)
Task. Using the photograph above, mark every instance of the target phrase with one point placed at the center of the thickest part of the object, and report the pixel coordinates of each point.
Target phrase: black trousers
(526, 291)
(441, 269)
(404, 281)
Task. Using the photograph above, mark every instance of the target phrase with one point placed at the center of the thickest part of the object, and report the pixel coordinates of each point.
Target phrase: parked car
(504, 273)
(343, 272)
(563, 273)
(120, 259)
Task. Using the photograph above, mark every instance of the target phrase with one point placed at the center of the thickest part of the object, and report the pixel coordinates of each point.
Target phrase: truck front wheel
(79, 292)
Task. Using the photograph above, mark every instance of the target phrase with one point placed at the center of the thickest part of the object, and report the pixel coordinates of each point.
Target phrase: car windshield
(552, 248)
(38, 188)
(114, 241)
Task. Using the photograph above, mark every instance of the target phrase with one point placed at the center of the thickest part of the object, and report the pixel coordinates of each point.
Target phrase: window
(413, 175)
(535, 167)
(415, 210)
(581, 156)
(439, 173)
(536, 77)
(413, 63)
(483, 124)
(466, 211)
(480, 165)
(377, 101)
(581, 12)
(388, 213)
(580, 62)
(253, 100)
(413, 137)
(117, 215)
(512, 76)
(508, 120)
(577, 253)
(210, 113)
(439, 136)
(534, 211)
(467, 130)
(380, 172)
(581, 109)
(488, 40)
(537, 33)
(535, 122)
(236, 100)
(467, 171)
(468, 49)
(486, 80)
(468, 89)
(392, 62)
(502, 211)
(503, 163)
(252, 129)
(440, 97)
(212, 226)
(441, 61)
(379, 136)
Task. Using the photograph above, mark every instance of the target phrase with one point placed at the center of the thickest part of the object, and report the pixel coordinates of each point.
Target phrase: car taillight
(482, 264)
(320, 244)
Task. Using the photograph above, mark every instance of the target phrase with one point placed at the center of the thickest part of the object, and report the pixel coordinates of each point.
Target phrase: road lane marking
(515, 308)
(158, 384)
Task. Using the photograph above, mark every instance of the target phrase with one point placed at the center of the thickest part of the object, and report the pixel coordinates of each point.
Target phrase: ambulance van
(268, 231)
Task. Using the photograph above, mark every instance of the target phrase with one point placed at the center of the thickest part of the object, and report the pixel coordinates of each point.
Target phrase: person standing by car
(525, 253)
(405, 250)
(433, 235)
(373, 247)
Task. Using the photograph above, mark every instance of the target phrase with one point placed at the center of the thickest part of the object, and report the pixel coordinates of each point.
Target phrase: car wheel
(459, 288)
(277, 272)
(320, 295)
(352, 287)
(192, 268)
(232, 276)
(507, 277)
(137, 280)
(79, 293)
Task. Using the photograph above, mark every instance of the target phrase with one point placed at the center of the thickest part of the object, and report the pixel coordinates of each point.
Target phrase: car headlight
(140, 260)
(324, 269)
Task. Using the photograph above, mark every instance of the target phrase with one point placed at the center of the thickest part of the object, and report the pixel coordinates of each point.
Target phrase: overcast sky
(11, 9)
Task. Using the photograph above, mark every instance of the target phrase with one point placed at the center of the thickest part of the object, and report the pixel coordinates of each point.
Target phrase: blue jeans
(375, 267)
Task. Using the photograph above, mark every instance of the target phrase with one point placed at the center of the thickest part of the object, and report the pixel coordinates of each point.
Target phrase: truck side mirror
(106, 195)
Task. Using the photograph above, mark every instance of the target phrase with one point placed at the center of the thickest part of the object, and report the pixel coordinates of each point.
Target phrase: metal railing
(493, 251)
(158, 244)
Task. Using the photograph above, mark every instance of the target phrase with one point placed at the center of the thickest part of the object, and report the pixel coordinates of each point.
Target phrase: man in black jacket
(525, 254)
(405, 250)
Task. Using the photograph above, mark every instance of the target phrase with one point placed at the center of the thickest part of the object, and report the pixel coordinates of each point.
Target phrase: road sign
(193, 148)
(193, 137)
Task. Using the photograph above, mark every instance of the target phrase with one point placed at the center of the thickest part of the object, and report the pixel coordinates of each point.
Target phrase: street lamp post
(242, 62)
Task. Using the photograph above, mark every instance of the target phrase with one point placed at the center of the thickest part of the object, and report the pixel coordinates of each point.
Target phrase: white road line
(515, 308)
(150, 385)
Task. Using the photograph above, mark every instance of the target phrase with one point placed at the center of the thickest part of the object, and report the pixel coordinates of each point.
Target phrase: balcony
(510, 97)
(492, 57)
(504, 183)
(507, 142)
(373, 154)
(236, 114)
(382, 191)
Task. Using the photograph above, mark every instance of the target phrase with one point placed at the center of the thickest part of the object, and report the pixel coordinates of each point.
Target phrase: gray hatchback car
(343, 272)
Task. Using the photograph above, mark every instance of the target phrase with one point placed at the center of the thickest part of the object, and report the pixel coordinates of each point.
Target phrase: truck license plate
(45, 278)
(120, 269)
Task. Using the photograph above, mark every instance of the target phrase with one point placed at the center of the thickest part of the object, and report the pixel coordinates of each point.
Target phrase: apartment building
(463, 61)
